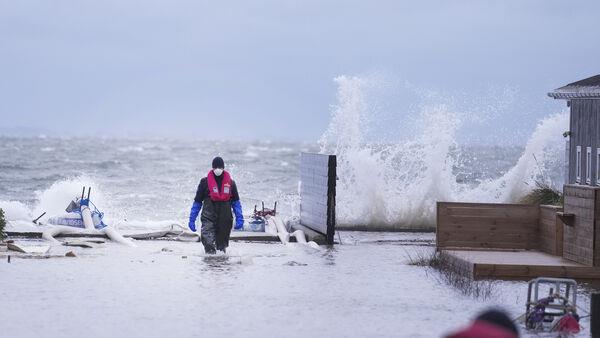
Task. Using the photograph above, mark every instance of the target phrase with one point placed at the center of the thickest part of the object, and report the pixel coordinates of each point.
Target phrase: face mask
(218, 171)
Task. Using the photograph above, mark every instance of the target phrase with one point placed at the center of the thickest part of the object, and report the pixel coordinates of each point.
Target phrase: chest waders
(217, 221)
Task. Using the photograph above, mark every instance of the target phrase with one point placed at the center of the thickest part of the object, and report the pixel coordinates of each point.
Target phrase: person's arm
(197, 205)
(236, 206)
(194, 211)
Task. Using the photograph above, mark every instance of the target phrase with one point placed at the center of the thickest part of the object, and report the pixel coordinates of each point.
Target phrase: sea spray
(386, 184)
(54, 199)
(541, 160)
(396, 185)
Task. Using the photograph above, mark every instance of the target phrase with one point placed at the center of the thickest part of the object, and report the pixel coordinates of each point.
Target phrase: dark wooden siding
(585, 132)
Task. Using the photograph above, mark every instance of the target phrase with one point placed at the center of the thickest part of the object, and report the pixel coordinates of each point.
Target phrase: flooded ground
(364, 287)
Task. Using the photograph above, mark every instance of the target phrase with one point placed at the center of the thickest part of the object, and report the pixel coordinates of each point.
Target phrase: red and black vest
(481, 328)
(219, 194)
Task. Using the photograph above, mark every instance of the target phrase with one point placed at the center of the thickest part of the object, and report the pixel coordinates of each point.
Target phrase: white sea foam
(53, 200)
(396, 185)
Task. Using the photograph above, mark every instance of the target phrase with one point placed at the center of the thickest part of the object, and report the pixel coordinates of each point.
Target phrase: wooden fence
(487, 225)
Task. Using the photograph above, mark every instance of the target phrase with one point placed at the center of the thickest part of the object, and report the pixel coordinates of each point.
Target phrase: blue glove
(193, 215)
(239, 217)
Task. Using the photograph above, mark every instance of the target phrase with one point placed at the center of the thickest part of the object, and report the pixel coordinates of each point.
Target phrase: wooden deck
(518, 264)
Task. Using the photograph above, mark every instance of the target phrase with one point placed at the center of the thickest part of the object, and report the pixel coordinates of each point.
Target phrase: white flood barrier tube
(110, 232)
(86, 215)
(49, 234)
(314, 245)
(282, 233)
(271, 227)
(300, 236)
(117, 237)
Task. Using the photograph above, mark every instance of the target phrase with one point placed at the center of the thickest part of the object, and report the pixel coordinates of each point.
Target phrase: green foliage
(543, 194)
(2, 224)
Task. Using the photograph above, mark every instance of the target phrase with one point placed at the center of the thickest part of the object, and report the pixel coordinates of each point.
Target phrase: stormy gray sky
(265, 69)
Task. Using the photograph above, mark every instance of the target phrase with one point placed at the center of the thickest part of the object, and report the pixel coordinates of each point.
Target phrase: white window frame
(588, 165)
(578, 165)
(597, 166)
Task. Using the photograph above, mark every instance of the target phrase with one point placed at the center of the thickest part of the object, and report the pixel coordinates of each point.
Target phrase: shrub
(543, 193)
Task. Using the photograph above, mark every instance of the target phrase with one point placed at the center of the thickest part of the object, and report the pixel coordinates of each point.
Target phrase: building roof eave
(583, 89)
(574, 95)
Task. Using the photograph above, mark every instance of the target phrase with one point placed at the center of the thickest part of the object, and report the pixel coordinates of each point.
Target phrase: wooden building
(583, 98)
(582, 192)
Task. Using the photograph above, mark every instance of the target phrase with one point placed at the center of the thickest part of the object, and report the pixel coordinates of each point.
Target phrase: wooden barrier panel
(550, 230)
(487, 225)
(317, 193)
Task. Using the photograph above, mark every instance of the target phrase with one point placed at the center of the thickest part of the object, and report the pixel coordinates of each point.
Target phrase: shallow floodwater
(363, 287)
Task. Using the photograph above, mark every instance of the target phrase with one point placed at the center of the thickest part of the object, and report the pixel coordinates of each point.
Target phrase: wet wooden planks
(519, 265)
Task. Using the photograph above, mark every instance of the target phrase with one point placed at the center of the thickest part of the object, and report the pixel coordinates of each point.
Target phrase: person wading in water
(217, 196)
